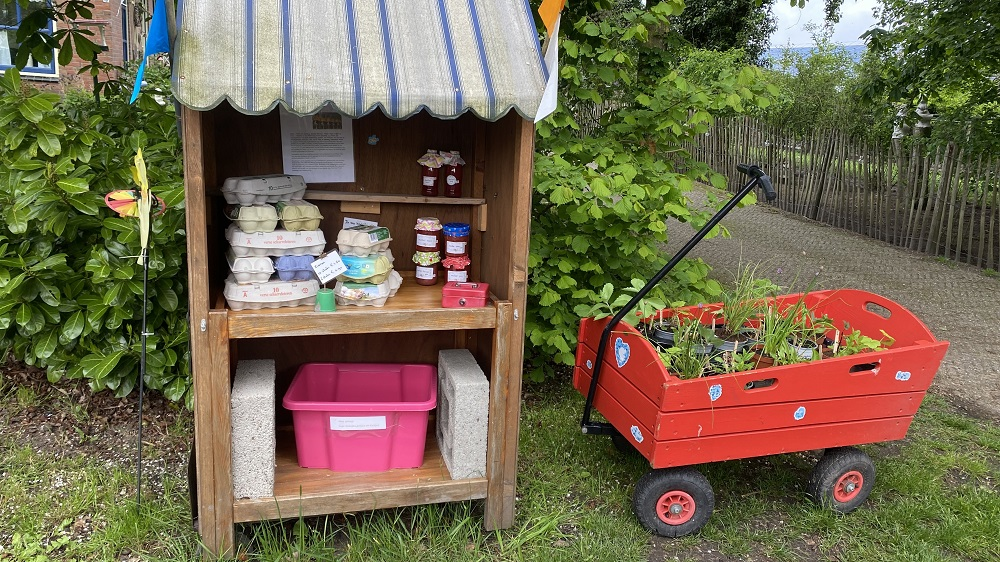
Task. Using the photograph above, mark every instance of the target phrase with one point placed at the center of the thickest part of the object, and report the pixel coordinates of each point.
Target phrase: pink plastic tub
(361, 417)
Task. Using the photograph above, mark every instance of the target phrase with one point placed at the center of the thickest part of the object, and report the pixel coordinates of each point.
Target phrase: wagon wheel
(623, 445)
(842, 479)
(673, 502)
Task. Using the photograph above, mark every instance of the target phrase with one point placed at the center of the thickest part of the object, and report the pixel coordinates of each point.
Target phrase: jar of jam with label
(427, 267)
(428, 230)
(453, 174)
(457, 268)
(456, 239)
(430, 169)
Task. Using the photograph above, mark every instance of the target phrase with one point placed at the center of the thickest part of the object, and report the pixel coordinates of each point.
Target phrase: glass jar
(430, 168)
(427, 267)
(453, 175)
(428, 230)
(457, 268)
(456, 239)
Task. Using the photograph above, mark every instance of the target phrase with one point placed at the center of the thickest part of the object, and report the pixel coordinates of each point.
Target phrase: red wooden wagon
(828, 404)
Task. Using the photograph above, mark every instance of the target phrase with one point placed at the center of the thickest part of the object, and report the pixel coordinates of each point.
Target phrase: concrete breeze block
(462, 410)
(253, 429)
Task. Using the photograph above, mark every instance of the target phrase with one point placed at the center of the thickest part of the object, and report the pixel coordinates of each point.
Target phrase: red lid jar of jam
(457, 268)
(456, 239)
(427, 267)
(428, 231)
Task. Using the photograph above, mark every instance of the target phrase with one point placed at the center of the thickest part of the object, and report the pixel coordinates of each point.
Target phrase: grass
(936, 499)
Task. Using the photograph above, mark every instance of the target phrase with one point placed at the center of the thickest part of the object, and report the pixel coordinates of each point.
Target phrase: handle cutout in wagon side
(760, 384)
(865, 368)
(878, 309)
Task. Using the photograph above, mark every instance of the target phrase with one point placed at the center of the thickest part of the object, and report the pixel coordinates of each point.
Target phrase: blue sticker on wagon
(637, 434)
(799, 413)
(715, 391)
(622, 352)
(902, 375)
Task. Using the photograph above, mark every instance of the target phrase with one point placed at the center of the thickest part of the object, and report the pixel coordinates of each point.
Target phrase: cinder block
(253, 429)
(462, 410)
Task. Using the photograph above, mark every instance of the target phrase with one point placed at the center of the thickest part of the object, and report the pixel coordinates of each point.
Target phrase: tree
(720, 25)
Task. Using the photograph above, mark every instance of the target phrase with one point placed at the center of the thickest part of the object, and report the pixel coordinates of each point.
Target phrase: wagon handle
(757, 177)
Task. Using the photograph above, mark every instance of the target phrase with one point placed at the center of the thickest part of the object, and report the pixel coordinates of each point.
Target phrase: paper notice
(318, 147)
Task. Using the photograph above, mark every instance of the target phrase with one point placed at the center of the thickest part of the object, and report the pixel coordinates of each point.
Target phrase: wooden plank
(222, 430)
(499, 426)
(323, 195)
(198, 295)
(363, 207)
(413, 308)
(317, 491)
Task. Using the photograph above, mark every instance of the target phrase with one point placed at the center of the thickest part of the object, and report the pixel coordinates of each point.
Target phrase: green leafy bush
(70, 287)
(603, 196)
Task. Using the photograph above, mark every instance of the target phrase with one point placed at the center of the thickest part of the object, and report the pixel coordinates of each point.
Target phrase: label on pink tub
(356, 423)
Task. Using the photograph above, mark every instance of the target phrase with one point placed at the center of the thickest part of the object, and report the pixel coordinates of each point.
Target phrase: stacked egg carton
(370, 279)
(258, 249)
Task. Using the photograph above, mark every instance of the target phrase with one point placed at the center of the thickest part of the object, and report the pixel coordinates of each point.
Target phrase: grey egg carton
(366, 294)
(254, 269)
(277, 243)
(272, 294)
(250, 190)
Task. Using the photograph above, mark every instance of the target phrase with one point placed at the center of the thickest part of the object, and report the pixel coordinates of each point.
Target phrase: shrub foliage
(70, 287)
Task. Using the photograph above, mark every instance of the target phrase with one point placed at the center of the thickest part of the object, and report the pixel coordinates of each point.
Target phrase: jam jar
(428, 230)
(427, 267)
(430, 169)
(456, 239)
(457, 268)
(452, 167)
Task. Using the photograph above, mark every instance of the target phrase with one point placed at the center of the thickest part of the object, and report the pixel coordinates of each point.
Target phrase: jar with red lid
(453, 174)
(456, 238)
(427, 267)
(428, 230)
(430, 169)
(457, 268)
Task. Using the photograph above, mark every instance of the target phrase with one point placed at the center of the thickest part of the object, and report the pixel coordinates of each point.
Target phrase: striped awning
(445, 56)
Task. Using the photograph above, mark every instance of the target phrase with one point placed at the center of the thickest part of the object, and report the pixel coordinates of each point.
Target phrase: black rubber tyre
(842, 479)
(673, 502)
(623, 445)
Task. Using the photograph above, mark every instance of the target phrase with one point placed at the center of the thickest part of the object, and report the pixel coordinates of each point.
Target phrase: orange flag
(549, 11)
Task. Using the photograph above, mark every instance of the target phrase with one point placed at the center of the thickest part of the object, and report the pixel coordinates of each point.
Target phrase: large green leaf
(73, 326)
(45, 343)
(73, 185)
(96, 366)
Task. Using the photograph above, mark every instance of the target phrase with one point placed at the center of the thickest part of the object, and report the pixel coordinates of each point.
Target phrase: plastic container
(277, 243)
(456, 238)
(298, 215)
(255, 218)
(456, 268)
(250, 190)
(273, 294)
(250, 269)
(370, 269)
(428, 231)
(367, 294)
(295, 268)
(363, 240)
(361, 417)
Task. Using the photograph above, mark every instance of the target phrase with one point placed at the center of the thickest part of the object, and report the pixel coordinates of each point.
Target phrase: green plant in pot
(690, 356)
(790, 335)
(853, 341)
(742, 302)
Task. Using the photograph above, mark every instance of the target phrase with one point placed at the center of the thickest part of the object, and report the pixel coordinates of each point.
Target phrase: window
(11, 14)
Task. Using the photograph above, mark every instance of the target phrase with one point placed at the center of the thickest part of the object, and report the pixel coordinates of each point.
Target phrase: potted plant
(742, 302)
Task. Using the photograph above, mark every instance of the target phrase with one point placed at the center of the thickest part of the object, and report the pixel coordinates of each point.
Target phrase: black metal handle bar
(757, 177)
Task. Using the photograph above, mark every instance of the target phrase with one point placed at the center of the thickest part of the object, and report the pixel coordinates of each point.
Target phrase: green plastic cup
(325, 301)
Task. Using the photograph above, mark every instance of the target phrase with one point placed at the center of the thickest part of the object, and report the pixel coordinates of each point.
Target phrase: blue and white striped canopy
(445, 56)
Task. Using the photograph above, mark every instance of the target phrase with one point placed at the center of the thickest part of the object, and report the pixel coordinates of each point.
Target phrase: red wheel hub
(848, 486)
(675, 507)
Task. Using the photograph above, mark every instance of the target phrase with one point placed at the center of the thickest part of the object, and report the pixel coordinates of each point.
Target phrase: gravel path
(955, 301)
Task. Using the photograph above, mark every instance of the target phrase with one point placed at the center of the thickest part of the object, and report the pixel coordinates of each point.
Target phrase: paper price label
(328, 266)
(357, 423)
(350, 222)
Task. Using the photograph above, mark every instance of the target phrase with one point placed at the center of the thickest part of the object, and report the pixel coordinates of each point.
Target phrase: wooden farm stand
(223, 142)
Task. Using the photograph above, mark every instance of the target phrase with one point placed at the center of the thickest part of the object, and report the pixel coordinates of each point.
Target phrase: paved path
(957, 302)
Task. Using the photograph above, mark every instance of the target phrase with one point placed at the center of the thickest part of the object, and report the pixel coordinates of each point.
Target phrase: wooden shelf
(320, 195)
(317, 491)
(413, 308)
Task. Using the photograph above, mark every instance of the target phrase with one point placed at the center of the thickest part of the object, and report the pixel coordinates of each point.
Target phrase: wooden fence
(940, 202)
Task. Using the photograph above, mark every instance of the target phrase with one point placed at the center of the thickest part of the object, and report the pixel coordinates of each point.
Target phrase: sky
(856, 18)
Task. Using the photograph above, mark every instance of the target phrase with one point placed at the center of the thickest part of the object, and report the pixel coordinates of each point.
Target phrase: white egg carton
(299, 215)
(255, 218)
(250, 190)
(277, 243)
(363, 241)
(250, 269)
(366, 294)
(272, 294)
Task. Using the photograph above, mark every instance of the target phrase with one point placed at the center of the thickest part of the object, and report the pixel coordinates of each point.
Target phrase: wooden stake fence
(941, 202)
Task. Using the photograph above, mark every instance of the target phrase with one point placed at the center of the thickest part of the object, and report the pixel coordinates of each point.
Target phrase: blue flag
(157, 41)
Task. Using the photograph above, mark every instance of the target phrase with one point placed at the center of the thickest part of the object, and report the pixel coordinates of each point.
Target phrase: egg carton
(250, 190)
(249, 269)
(299, 215)
(367, 294)
(272, 294)
(253, 219)
(277, 243)
(363, 240)
(370, 269)
(294, 268)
